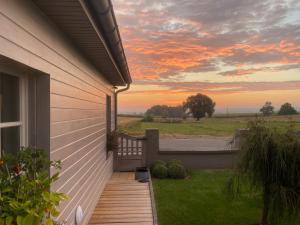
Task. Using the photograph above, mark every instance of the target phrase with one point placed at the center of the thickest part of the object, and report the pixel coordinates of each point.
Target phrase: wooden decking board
(120, 220)
(124, 202)
(118, 212)
(138, 223)
(122, 198)
(129, 188)
(120, 216)
(124, 205)
(117, 208)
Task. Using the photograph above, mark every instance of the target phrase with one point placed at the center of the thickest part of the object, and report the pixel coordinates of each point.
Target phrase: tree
(270, 163)
(200, 105)
(287, 109)
(176, 112)
(267, 109)
(166, 111)
(158, 110)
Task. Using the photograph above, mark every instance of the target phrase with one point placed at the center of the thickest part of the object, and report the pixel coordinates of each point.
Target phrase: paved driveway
(205, 143)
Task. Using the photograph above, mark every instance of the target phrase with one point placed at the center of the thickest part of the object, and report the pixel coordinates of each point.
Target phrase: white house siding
(77, 108)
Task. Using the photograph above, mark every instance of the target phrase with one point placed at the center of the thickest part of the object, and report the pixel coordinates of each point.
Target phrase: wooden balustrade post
(151, 145)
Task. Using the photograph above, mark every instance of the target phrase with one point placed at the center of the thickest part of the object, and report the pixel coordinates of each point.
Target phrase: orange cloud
(167, 39)
(152, 59)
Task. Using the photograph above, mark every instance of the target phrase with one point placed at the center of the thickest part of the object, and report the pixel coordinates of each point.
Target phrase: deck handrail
(137, 138)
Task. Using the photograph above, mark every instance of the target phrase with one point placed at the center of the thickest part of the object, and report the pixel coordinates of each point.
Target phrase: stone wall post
(152, 145)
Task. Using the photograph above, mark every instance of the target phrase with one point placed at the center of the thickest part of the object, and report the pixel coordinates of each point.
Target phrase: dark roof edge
(121, 44)
(103, 14)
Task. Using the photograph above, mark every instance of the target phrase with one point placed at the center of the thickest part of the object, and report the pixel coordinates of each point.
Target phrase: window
(12, 113)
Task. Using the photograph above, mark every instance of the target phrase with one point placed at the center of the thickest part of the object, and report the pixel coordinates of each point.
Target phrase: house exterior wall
(77, 103)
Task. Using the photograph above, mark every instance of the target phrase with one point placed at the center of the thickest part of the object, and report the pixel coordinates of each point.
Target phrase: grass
(126, 120)
(208, 126)
(201, 200)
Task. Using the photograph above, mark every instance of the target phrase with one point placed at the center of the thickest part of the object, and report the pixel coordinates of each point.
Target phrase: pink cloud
(167, 38)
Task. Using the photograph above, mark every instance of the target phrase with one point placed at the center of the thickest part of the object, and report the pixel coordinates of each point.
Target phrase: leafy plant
(174, 161)
(172, 169)
(25, 196)
(176, 171)
(165, 111)
(148, 118)
(270, 162)
(199, 106)
(157, 162)
(267, 109)
(160, 171)
(287, 109)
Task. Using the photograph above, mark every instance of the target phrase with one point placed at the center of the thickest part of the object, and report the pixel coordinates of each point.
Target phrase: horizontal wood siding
(78, 103)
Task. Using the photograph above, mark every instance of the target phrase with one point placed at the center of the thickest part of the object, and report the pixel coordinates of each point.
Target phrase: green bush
(174, 161)
(158, 162)
(160, 171)
(173, 169)
(25, 195)
(148, 118)
(176, 171)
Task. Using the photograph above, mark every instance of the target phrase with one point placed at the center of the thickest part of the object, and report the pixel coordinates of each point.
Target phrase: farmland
(215, 126)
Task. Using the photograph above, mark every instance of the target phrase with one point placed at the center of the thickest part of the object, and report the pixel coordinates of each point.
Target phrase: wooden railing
(130, 153)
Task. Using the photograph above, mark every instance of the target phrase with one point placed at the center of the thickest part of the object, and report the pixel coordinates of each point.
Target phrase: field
(216, 126)
(202, 200)
(126, 120)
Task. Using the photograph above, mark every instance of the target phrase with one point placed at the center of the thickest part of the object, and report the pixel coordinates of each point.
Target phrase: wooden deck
(124, 202)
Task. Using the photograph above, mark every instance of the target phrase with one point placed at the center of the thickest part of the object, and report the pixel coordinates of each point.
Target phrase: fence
(135, 152)
(191, 159)
(130, 153)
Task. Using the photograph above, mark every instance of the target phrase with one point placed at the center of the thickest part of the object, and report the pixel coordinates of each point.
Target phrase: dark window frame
(36, 119)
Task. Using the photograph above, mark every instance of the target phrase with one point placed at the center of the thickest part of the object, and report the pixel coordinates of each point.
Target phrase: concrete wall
(191, 159)
(77, 102)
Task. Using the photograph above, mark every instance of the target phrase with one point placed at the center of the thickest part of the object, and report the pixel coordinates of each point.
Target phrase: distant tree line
(286, 109)
(166, 111)
(198, 106)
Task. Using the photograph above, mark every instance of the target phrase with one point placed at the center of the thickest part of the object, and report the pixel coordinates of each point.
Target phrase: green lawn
(210, 126)
(201, 200)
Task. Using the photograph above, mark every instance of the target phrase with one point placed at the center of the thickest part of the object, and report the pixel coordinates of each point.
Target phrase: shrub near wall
(25, 196)
(172, 169)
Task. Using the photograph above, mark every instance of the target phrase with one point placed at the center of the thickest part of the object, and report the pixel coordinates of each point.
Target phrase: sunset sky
(240, 52)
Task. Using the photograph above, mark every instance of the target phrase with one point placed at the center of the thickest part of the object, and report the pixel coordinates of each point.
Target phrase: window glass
(10, 139)
(9, 98)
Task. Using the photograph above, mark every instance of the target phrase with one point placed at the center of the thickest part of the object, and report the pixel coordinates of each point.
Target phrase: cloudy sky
(240, 52)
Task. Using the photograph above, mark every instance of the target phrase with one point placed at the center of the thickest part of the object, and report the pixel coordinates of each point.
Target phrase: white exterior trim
(24, 110)
(10, 124)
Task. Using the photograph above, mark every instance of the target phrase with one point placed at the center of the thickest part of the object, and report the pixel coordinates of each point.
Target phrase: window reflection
(9, 98)
(10, 140)
(9, 112)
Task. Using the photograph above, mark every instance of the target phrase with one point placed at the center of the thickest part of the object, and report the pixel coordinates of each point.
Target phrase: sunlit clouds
(227, 49)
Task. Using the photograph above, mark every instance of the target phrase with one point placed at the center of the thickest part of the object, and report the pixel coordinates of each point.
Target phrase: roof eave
(76, 19)
(105, 22)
